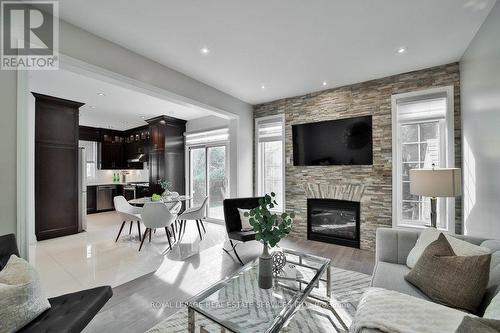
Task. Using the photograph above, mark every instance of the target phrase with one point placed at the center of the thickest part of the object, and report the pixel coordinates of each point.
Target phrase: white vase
(165, 194)
(265, 269)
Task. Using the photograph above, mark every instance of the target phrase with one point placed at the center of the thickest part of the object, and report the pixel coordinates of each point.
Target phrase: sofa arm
(394, 245)
(8, 246)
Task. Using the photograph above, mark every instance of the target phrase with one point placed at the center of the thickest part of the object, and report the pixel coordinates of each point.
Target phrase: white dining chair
(157, 215)
(127, 213)
(194, 213)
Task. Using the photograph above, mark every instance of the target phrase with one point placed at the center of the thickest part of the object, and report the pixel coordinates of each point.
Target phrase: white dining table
(144, 200)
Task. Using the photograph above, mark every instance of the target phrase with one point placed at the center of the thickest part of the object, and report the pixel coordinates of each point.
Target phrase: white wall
(206, 123)
(8, 152)
(79, 44)
(480, 99)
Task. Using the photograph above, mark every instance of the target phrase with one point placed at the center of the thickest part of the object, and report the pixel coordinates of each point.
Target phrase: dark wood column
(56, 166)
(166, 155)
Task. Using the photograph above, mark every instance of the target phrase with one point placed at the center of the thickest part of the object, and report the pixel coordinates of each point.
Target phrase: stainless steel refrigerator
(82, 189)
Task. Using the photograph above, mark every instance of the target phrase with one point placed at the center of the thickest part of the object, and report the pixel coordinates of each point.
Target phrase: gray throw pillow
(21, 295)
(456, 281)
(476, 325)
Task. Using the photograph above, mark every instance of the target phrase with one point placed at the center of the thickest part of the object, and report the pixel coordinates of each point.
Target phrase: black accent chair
(68, 313)
(233, 222)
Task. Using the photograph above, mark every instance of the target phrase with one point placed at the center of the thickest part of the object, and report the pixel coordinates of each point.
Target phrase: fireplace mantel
(349, 192)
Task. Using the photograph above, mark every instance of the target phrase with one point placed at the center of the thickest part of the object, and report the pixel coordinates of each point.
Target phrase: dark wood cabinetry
(166, 157)
(87, 133)
(119, 149)
(136, 147)
(91, 199)
(56, 166)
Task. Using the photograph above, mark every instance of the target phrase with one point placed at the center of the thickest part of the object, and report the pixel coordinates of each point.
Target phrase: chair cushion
(391, 276)
(456, 281)
(70, 312)
(242, 236)
(231, 213)
(21, 296)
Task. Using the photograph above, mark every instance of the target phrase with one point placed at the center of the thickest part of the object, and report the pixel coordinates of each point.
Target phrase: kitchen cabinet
(119, 149)
(166, 157)
(111, 156)
(87, 133)
(56, 166)
(91, 199)
(136, 147)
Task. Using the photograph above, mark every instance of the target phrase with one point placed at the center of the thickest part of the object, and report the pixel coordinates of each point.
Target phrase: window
(270, 157)
(422, 136)
(91, 155)
(208, 169)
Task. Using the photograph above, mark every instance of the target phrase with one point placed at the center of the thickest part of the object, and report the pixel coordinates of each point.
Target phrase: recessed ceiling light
(402, 50)
(204, 50)
(91, 106)
(262, 87)
(142, 117)
(101, 94)
(324, 83)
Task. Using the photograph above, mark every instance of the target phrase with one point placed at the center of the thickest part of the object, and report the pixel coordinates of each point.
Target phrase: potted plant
(269, 229)
(165, 186)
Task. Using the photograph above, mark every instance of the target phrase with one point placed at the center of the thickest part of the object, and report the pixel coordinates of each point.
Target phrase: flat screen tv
(334, 142)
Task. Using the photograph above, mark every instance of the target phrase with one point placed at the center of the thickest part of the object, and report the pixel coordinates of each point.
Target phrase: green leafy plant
(164, 184)
(269, 227)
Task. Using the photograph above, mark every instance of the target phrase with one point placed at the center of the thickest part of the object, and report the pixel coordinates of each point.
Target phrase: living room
(341, 176)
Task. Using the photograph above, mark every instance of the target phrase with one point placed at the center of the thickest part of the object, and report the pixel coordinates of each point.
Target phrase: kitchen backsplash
(104, 176)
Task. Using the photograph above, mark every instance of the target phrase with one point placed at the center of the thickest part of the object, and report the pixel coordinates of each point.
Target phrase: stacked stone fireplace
(369, 185)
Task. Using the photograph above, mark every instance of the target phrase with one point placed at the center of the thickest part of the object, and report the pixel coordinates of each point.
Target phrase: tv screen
(333, 142)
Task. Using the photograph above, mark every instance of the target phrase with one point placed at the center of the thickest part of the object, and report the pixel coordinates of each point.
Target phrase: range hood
(138, 158)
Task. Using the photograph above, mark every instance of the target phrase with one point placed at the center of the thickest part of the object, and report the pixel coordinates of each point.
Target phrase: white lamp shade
(437, 182)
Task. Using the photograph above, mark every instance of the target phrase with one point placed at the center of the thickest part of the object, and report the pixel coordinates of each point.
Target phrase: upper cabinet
(119, 149)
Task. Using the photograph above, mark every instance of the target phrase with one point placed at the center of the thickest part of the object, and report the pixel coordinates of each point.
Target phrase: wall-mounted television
(334, 142)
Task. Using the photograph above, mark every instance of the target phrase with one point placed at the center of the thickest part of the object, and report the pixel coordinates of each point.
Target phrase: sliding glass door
(208, 176)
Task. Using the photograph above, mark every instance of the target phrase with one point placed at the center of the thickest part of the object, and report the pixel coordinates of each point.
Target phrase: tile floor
(93, 258)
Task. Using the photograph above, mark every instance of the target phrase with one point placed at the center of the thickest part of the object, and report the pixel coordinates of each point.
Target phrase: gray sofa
(394, 245)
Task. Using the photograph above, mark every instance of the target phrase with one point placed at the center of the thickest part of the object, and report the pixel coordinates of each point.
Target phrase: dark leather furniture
(68, 313)
(233, 221)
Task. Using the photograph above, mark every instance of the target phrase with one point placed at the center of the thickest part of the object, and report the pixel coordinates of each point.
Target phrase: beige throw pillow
(21, 295)
(245, 220)
(459, 282)
(460, 247)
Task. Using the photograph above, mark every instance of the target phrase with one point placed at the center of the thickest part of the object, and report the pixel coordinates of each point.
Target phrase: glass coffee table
(237, 304)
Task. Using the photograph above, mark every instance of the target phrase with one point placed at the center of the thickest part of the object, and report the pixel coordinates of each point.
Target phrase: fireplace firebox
(333, 221)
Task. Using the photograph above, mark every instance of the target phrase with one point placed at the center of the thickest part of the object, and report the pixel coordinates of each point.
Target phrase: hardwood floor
(140, 304)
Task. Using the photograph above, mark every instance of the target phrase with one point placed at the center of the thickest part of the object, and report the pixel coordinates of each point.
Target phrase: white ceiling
(120, 108)
(290, 46)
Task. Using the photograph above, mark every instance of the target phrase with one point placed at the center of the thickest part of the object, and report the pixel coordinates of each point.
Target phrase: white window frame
(447, 127)
(258, 161)
(210, 144)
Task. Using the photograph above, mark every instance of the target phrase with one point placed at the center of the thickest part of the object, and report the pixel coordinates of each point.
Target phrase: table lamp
(434, 183)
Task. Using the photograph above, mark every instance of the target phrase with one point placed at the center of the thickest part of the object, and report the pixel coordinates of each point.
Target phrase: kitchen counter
(115, 183)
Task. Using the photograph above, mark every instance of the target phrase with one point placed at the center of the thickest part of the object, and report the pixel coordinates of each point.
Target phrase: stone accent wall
(366, 98)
